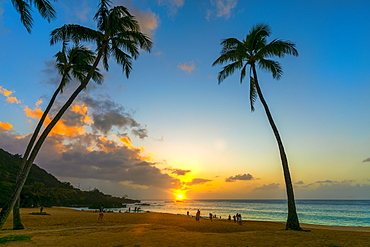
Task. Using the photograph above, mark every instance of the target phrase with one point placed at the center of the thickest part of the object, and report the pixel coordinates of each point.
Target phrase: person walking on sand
(210, 216)
(197, 216)
(101, 213)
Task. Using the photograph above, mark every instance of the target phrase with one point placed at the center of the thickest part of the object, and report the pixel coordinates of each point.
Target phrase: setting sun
(180, 197)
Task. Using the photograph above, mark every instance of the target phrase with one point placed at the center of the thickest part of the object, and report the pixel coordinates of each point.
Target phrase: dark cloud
(108, 114)
(239, 177)
(272, 186)
(198, 181)
(115, 163)
(178, 172)
(300, 182)
(326, 182)
(366, 160)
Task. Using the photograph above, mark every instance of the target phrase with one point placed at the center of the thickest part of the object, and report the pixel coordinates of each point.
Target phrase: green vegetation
(8, 238)
(42, 188)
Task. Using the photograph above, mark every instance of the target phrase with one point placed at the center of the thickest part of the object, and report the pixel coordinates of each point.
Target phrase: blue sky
(200, 134)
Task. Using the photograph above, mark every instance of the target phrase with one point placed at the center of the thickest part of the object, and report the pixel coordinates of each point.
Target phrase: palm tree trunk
(24, 174)
(292, 221)
(17, 222)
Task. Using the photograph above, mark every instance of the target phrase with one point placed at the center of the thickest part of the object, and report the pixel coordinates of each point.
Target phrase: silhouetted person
(197, 216)
(101, 213)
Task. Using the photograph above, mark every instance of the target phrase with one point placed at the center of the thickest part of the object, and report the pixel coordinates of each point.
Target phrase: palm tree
(71, 62)
(250, 52)
(24, 9)
(118, 35)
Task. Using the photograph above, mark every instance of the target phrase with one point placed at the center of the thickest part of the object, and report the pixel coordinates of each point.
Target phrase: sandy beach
(68, 227)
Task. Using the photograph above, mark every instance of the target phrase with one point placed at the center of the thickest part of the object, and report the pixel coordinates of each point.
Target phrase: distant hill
(42, 188)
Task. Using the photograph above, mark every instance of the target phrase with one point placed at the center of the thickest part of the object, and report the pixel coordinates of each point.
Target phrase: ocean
(319, 212)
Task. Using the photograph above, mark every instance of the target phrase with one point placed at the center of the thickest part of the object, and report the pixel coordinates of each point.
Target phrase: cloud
(188, 67)
(265, 187)
(173, 5)
(326, 182)
(338, 190)
(148, 20)
(5, 126)
(239, 177)
(366, 160)
(223, 8)
(2, 28)
(178, 172)
(8, 96)
(108, 114)
(299, 182)
(79, 11)
(196, 181)
(106, 154)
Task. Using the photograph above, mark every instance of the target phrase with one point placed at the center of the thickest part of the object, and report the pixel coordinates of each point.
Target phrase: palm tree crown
(117, 35)
(76, 62)
(253, 50)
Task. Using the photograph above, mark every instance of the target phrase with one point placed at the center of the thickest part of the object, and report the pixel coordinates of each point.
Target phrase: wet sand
(68, 227)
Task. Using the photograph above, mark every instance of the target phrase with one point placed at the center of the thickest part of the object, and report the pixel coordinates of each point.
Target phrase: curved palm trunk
(17, 223)
(292, 221)
(27, 167)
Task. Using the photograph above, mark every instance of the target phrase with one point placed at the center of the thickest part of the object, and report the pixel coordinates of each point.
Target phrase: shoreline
(321, 226)
(70, 227)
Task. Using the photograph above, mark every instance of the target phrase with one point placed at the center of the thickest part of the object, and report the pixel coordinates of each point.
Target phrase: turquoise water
(320, 212)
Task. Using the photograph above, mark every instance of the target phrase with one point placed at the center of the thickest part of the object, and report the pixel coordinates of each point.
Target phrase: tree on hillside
(71, 63)
(119, 36)
(251, 52)
(24, 9)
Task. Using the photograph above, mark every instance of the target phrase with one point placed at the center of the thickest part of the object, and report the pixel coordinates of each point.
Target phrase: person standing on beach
(210, 216)
(197, 216)
(101, 213)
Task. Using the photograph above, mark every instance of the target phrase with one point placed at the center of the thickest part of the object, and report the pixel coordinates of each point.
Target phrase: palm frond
(126, 45)
(271, 66)
(24, 9)
(102, 13)
(45, 9)
(228, 70)
(279, 48)
(256, 36)
(252, 92)
(75, 33)
(124, 60)
(243, 73)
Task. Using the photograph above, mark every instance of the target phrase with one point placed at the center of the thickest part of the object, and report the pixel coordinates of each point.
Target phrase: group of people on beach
(237, 218)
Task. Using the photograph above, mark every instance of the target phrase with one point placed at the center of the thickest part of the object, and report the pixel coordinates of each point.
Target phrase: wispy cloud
(179, 172)
(196, 181)
(9, 98)
(172, 5)
(188, 67)
(272, 186)
(366, 160)
(223, 8)
(243, 177)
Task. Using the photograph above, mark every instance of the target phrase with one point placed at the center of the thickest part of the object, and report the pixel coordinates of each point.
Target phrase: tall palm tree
(118, 35)
(251, 52)
(71, 63)
(23, 7)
